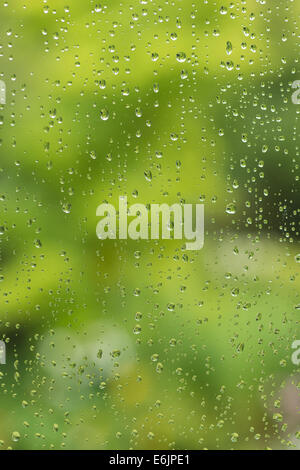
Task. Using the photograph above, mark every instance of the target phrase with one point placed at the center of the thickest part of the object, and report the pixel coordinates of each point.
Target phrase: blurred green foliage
(123, 344)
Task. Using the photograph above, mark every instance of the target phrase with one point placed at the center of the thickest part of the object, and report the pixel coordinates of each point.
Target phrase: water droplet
(228, 48)
(181, 57)
(231, 208)
(16, 436)
(104, 114)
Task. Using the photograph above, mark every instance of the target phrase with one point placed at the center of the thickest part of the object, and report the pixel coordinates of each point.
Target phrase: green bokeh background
(187, 122)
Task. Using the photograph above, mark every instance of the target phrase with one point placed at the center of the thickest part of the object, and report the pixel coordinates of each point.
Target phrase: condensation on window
(149, 225)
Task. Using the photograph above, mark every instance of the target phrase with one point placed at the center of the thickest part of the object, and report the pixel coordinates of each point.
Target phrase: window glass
(149, 224)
